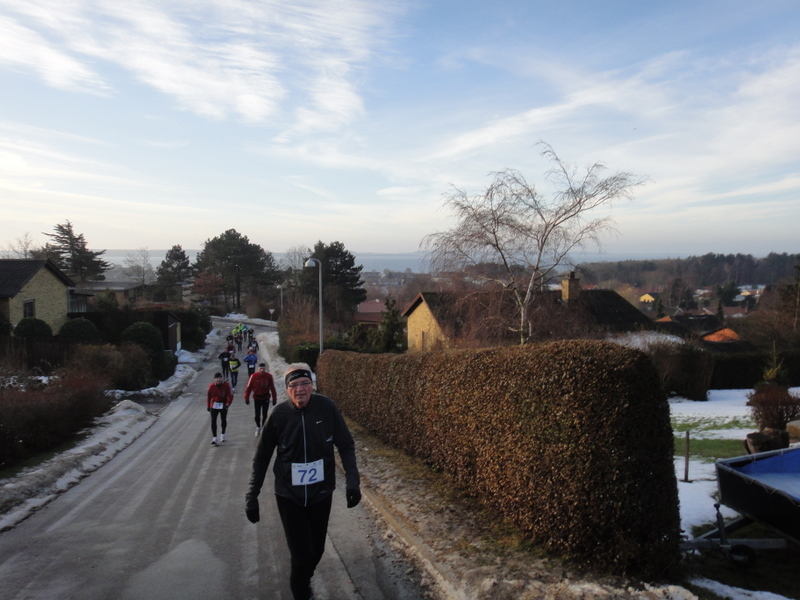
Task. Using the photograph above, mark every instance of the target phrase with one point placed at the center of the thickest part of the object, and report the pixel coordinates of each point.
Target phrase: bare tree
(529, 236)
(22, 247)
(138, 267)
(292, 264)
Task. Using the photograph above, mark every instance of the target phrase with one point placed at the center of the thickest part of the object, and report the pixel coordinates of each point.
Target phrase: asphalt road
(165, 519)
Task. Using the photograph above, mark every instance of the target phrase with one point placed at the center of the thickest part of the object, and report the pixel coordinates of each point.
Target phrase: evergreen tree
(342, 287)
(175, 269)
(389, 336)
(242, 265)
(69, 251)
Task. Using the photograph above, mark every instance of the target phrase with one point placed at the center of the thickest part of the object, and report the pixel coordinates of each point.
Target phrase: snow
(33, 488)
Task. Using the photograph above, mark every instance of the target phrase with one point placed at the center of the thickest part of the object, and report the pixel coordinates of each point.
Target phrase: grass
(710, 450)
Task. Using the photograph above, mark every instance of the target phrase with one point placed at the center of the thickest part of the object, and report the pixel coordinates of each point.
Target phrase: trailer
(762, 488)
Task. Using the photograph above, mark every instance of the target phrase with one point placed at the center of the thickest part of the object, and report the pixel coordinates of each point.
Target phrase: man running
(262, 386)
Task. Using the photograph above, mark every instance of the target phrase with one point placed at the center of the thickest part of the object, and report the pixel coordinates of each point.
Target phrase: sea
(371, 261)
(382, 261)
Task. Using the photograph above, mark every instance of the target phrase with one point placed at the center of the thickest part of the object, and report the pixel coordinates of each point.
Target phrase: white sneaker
(222, 438)
(213, 441)
(258, 430)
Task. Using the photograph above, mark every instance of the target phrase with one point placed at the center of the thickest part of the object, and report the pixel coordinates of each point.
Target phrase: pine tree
(69, 251)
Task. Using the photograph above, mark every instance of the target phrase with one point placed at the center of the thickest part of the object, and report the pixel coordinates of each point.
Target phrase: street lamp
(314, 262)
(280, 287)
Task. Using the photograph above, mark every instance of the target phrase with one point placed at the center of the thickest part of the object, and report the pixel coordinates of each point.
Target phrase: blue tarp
(781, 471)
(764, 487)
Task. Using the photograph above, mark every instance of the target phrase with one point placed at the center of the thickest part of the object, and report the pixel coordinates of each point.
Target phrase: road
(165, 519)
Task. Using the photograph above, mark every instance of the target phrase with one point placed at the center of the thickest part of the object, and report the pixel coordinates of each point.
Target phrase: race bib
(308, 473)
(218, 406)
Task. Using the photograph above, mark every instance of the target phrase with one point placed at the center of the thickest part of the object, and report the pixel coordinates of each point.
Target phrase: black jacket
(303, 436)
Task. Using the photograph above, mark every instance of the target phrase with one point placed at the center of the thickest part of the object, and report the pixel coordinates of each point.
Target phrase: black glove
(353, 497)
(208, 409)
(251, 510)
(247, 402)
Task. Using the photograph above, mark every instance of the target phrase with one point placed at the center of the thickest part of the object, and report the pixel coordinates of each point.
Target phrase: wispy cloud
(215, 58)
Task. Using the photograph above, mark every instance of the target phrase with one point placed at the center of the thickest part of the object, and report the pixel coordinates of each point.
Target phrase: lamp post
(280, 287)
(314, 262)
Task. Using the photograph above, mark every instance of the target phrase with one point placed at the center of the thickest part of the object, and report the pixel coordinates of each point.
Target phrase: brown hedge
(570, 441)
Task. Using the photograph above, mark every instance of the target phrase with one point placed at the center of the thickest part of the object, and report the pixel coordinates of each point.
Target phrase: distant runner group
(260, 385)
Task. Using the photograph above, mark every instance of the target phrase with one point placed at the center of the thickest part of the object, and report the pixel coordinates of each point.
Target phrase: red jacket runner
(219, 393)
(262, 386)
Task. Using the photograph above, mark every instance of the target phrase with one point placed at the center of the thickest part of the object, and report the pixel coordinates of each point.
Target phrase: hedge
(568, 441)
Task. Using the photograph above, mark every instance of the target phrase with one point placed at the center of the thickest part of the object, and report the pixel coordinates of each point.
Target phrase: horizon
(400, 261)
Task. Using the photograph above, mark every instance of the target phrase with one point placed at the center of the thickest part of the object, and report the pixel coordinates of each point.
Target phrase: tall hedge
(570, 441)
(149, 338)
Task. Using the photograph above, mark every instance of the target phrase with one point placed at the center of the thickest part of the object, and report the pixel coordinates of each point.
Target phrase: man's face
(300, 391)
(218, 380)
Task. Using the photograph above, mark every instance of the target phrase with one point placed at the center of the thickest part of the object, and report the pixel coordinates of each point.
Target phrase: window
(29, 308)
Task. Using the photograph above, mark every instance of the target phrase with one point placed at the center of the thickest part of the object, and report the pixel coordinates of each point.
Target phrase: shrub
(684, 369)
(773, 406)
(32, 327)
(168, 363)
(37, 419)
(568, 441)
(149, 338)
(195, 325)
(80, 331)
(126, 367)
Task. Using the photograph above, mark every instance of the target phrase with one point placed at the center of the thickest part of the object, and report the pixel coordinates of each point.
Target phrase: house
(649, 297)
(727, 340)
(370, 313)
(426, 314)
(435, 317)
(37, 288)
(126, 293)
(603, 310)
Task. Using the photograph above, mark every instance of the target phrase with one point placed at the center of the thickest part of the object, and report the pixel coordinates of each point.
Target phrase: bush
(126, 367)
(195, 325)
(684, 369)
(32, 327)
(568, 441)
(149, 338)
(37, 419)
(168, 363)
(772, 406)
(80, 331)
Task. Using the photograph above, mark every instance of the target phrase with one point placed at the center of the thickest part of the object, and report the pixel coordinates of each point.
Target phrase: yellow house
(424, 325)
(35, 288)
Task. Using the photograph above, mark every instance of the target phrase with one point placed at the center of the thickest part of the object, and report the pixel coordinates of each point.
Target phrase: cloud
(23, 50)
(215, 58)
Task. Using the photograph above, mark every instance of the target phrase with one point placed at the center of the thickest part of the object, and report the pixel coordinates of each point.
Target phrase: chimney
(570, 288)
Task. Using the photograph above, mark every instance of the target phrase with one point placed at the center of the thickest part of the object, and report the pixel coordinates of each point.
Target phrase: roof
(610, 310)
(722, 335)
(368, 317)
(372, 306)
(436, 301)
(16, 272)
(109, 286)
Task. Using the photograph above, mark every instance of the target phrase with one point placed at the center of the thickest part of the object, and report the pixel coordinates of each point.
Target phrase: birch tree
(530, 235)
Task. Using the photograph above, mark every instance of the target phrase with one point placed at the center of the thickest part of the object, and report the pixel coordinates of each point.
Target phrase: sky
(149, 124)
